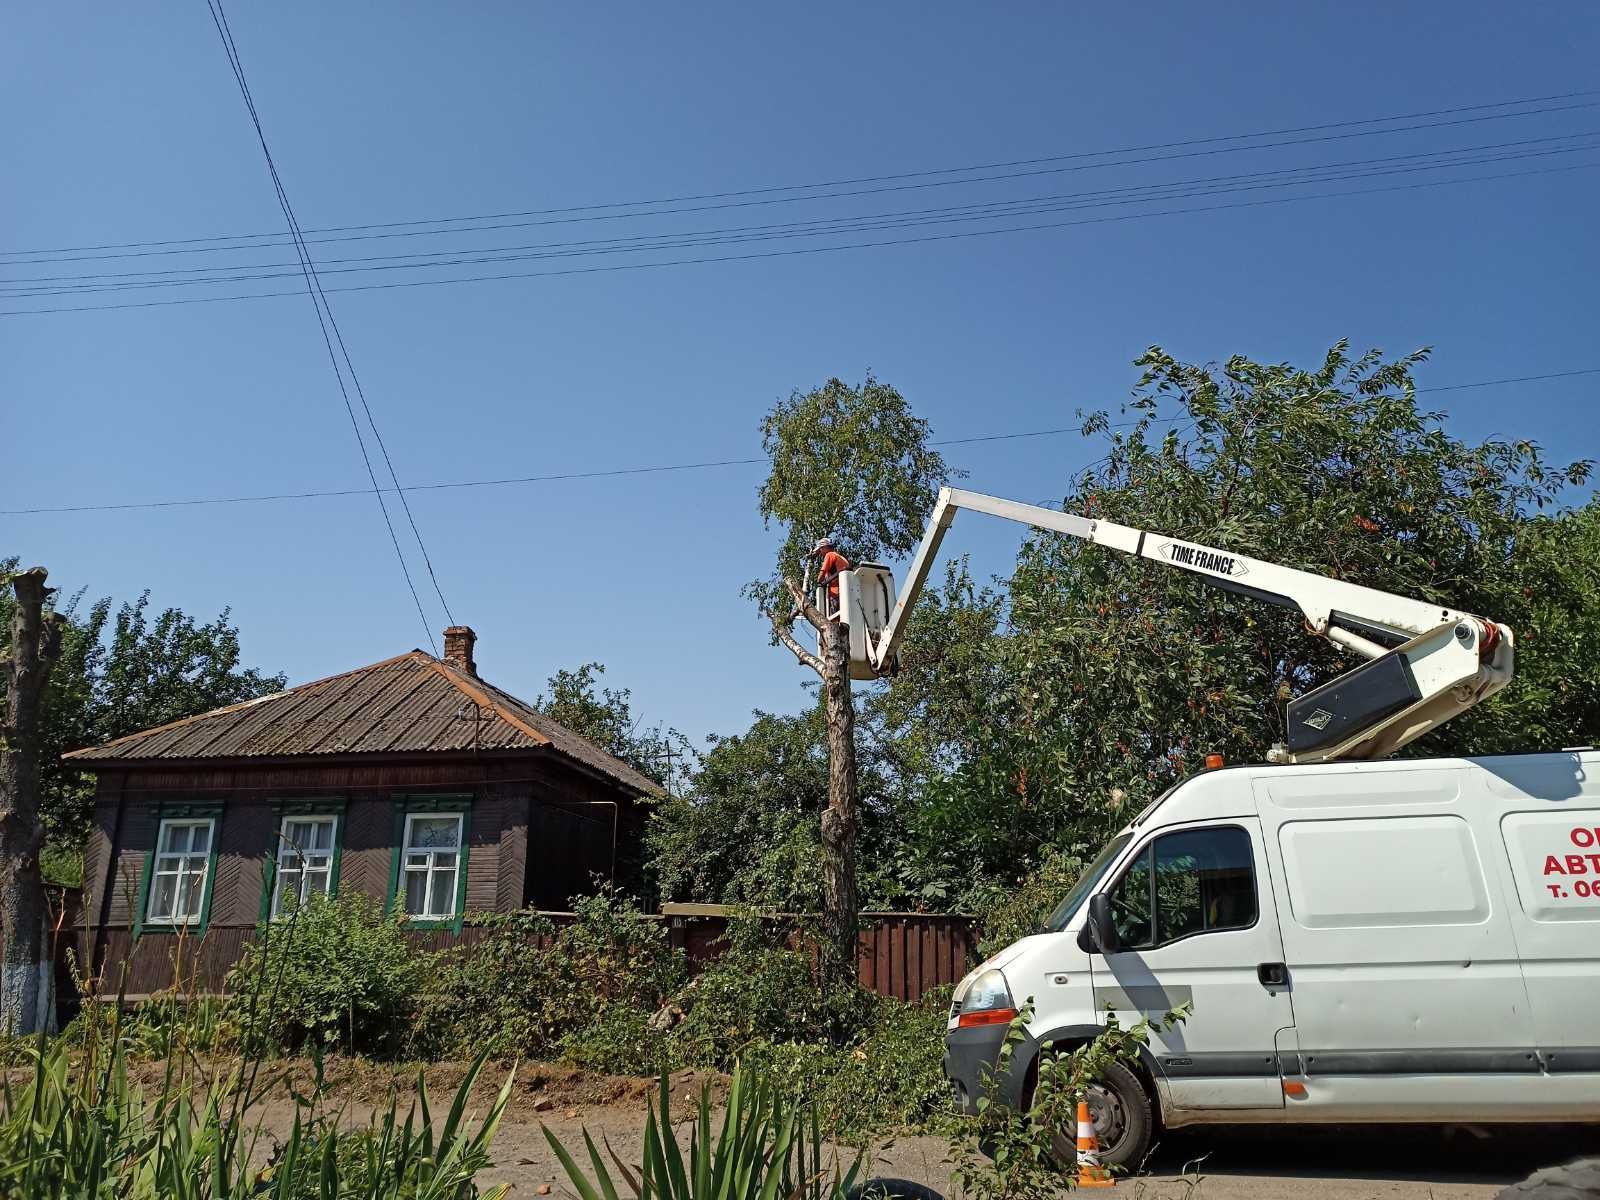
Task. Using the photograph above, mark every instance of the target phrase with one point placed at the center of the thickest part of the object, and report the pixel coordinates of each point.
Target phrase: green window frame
(284, 811)
(192, 814)
(407, 808)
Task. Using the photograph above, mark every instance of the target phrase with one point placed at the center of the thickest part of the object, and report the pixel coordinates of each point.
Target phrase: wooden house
(413, 781)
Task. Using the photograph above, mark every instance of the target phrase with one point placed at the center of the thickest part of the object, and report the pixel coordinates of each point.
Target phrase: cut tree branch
(803, 606)
(788, 639)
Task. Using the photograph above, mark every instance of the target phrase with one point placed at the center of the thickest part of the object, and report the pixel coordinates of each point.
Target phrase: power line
(605, 211)
(24, 287)
(614, 472)
(799, 251)
(320, 303)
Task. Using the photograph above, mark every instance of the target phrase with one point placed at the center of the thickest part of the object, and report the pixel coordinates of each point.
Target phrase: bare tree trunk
(840, 918)
(25, 969)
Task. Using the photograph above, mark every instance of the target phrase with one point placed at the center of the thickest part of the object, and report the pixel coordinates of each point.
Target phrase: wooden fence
(902, 955)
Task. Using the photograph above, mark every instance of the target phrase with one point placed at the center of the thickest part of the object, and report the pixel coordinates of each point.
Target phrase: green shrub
(491, 996)
(611, 955)
(585, 991)
(337, 974)
(61, 864)
(1008, 913)
(888, 1078)
(170, 1024)
(618, 1041)
(752, 994)
(894, 1076)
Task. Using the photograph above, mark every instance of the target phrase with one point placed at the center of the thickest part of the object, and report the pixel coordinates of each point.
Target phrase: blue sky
(131, 129)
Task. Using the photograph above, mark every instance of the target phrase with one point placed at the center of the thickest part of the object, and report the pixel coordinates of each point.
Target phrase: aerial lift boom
(1424, 663)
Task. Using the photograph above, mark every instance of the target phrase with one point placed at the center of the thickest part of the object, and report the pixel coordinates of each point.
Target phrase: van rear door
(1549, 816)
(1195, 918)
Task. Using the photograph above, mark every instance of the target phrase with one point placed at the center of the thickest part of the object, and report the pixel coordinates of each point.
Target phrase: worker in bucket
(829, 565)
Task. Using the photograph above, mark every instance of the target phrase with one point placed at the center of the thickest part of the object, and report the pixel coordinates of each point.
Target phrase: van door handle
(1273, 975)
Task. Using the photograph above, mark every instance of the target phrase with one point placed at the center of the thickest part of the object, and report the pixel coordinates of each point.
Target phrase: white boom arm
(1426, 663)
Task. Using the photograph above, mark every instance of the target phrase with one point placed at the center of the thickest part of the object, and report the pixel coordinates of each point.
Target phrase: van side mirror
(1099, 931)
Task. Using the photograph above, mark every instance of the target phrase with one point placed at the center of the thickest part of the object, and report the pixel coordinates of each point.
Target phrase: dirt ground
(1205, 1164)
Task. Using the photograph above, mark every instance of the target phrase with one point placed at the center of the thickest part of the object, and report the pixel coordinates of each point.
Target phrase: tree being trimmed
(25, 969)
(853, 464)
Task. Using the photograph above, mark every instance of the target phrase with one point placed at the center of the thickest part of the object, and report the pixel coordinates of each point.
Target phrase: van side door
(1195, 921)
(1408, 995)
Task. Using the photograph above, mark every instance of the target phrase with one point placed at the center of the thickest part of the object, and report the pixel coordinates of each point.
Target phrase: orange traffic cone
(1090, 1173)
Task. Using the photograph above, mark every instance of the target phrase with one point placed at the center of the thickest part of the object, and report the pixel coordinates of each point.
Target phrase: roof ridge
(243, 704)
(483, 699)
(569, 732)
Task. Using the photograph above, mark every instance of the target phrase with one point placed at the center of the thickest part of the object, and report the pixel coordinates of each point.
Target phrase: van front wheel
(1124, 1123)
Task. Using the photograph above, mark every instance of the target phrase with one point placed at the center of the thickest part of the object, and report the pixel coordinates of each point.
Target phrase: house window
(179, 872)
(430, 865)
(305, 861)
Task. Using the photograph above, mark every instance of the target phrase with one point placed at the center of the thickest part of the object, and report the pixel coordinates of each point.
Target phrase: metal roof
(409, 704)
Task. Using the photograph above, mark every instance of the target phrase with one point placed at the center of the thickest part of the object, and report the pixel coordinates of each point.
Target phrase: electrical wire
(614, 472)
(595, 211)
(324, 310)
(798, 251)
(47, 285)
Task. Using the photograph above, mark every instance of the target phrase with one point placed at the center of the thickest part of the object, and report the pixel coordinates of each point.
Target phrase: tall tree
(853, 463)
(605, 716)
(25, 967)
(122, 669)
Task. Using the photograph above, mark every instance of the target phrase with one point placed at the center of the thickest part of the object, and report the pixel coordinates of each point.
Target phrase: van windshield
(1086, 884)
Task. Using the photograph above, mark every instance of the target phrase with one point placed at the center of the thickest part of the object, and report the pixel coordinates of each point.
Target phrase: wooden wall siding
(902, 955)
(567, 848)
(313, 778)
(367, 859)
(511, 884)
(483, 861)
(138, 836)
(97, 855)
(246, 834)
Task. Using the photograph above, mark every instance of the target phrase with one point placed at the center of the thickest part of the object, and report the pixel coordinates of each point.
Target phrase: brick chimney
(458, 643)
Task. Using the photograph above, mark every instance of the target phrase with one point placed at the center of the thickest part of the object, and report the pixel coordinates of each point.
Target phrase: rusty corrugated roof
(407, 704)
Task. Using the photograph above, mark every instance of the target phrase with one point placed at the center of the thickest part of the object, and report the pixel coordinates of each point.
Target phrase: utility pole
(671, 755)
(25, 966)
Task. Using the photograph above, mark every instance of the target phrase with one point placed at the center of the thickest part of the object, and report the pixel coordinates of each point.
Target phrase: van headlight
(985, 1000)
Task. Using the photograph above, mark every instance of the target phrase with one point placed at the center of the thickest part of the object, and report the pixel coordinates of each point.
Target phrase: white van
(1387, 941)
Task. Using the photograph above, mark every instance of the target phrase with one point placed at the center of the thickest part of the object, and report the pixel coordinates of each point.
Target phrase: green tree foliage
(851, 462)
(604, 715)
(1125, 673)
(746, 831)
(123, 669)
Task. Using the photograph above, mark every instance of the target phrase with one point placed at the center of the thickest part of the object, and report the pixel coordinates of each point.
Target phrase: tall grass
(765, 1149)
(74, 1129)
(75, 1125)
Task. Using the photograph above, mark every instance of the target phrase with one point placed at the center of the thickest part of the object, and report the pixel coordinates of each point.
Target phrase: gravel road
(1394, 1163)
(1213, 1164)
